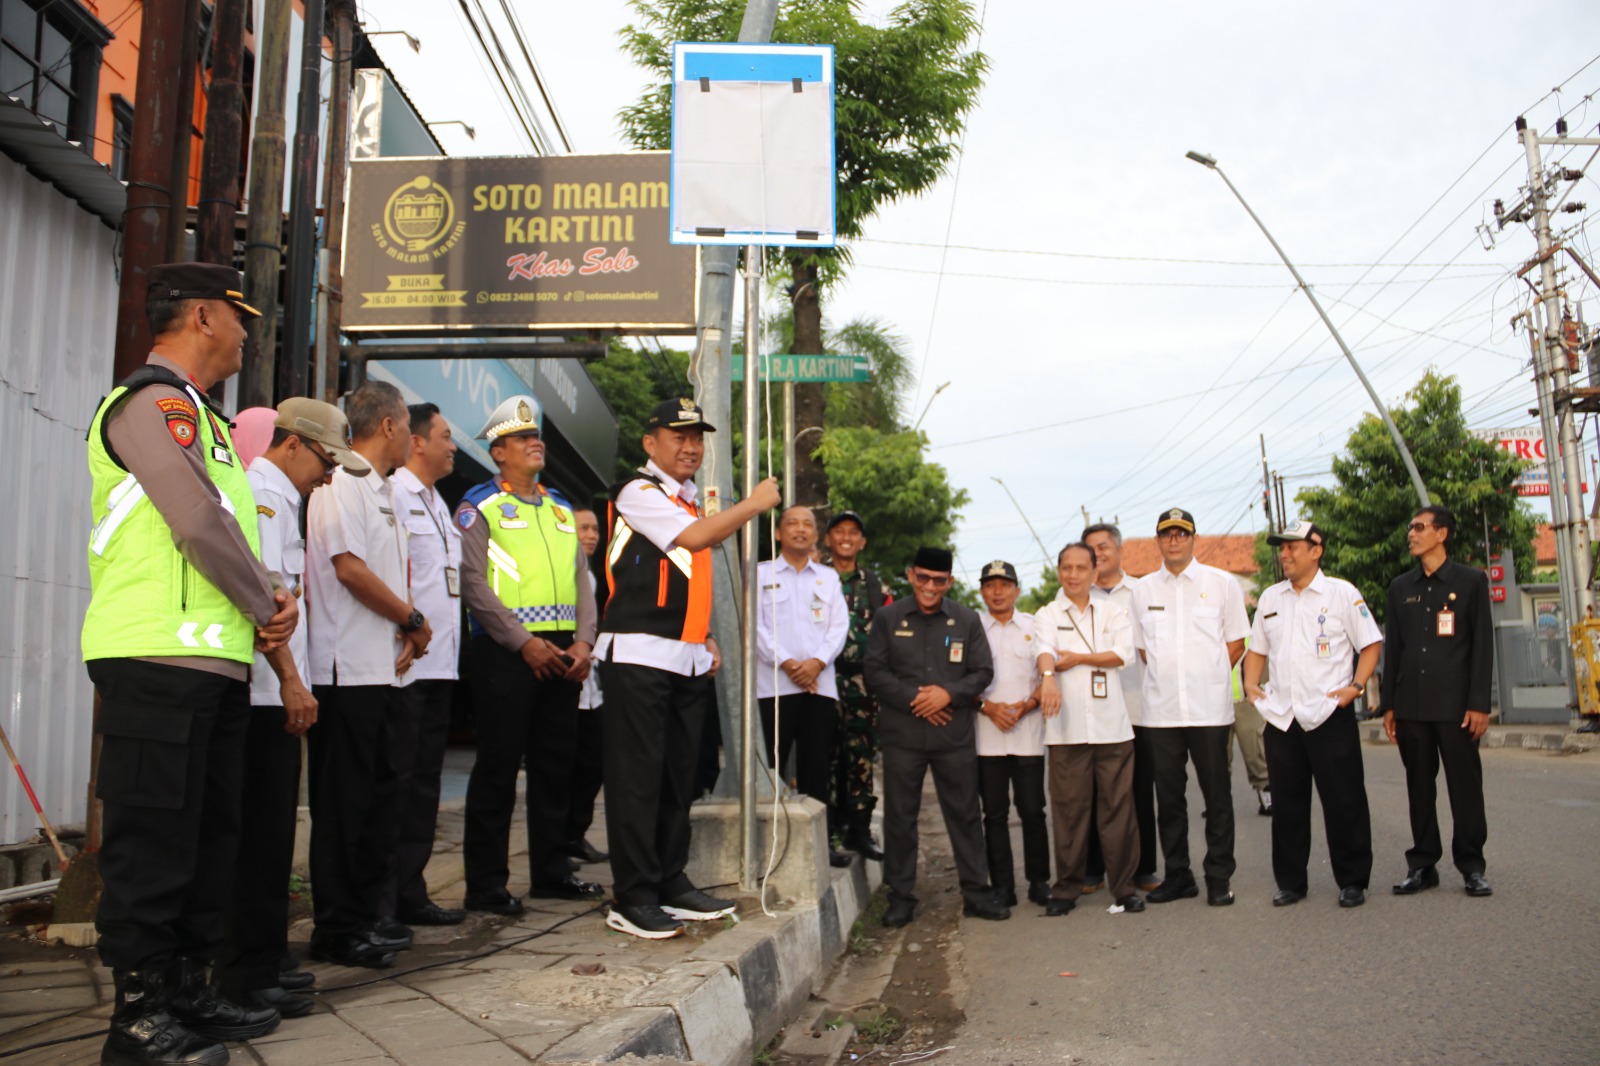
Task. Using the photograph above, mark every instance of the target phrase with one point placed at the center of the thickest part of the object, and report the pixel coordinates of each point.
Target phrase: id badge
(1446, 623)
(1324, 648)
(452, 581)
(958, 651)
(818, 611)
(221, 455)
(1097, 684)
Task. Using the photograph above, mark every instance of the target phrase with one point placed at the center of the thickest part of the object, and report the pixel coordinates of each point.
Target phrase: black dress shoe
(1057, 907)
(1477, 886)
(1007, 896)
(840, 859)
(200, 1008)
(350, 950)
(1264, 802)
(1218, 894)
(568, 888)
(1131, 903)
(1039, 892)
(295, 980)
(387, 941)
(500, 903)
(391, 929)
(287, 1004)
(1591, 724)
(1287, 897)
(1170, 890)
(859, 839)
(989, 908)
(586, 852)
(1352, 896)
(1417, 879)
(433, 914)
(899, 913)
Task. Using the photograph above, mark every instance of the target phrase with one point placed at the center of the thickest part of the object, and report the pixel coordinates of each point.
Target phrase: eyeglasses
(327, 463)
(1174, 534)
(1418, 527)
(937, 581)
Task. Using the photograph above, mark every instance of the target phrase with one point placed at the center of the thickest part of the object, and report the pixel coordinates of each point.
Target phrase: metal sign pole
(748, 835)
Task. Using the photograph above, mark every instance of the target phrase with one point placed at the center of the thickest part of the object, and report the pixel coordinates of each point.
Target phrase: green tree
(903, 91)
(1365, 512)
(1036, 597)
(633, 381)
(905, 501)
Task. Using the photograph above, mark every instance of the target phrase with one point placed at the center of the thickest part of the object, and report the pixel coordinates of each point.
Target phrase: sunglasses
(1418, 527)
(937, 581)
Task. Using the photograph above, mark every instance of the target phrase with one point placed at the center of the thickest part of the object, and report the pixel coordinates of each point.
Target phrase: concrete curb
(733, 995)
(1510, 737)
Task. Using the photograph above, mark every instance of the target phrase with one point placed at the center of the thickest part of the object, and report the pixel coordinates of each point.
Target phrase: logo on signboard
(419, 215)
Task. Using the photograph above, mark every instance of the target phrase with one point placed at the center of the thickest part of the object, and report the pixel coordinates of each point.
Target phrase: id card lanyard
(452, 575)
(1098, 682)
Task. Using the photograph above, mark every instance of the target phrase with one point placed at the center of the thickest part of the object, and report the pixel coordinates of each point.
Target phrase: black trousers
(258, 912)
(1207, 747)
(418, 729)
(519, 718)
(588, 773)
(653, 723)
(352, 791)
(1423, 746)
(955, 780)
(807, 725)
(172, 744)
(1002, 781)
(1330, 756)
(1144, 802)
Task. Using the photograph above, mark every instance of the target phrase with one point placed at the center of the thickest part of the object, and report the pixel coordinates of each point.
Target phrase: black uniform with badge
(905, 651)
(1438, 654)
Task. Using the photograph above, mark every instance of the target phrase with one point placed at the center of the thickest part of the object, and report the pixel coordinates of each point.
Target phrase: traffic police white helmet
(515, 417)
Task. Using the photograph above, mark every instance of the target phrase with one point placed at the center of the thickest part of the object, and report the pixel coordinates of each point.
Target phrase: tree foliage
(633, 381)
(905, 501)
(1366, 511)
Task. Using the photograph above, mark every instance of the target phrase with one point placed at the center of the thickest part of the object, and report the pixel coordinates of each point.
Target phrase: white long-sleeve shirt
(800, 614)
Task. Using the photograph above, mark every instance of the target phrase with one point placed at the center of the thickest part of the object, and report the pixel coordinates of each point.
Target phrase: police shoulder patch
(467, 517)
(182, 427)
(169, 404)
(263, 509)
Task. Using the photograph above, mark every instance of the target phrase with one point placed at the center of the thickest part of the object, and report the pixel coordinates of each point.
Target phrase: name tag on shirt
(1097, 684)
(1445, 622)
(507, 523)
(958, 651)
(452, 582)
(818, 611)
(1324, 648)
(1155, 607)
(1413, 599)
(221, 455)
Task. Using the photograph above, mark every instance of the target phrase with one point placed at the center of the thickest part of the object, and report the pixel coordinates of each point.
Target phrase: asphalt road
(1433, 978)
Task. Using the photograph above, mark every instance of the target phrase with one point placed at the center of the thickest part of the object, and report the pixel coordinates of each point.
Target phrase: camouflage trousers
(856, 745)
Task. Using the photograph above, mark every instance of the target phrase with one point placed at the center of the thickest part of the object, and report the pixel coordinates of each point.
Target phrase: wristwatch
(414, 622)
(1047, 673)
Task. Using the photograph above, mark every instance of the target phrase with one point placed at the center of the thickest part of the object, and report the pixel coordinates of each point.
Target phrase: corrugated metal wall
(58, 307)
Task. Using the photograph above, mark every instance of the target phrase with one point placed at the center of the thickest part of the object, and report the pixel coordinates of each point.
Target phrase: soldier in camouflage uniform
(850, 814)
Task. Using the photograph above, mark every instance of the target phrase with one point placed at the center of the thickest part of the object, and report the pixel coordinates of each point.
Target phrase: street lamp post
(1383, 412)
(929, 404)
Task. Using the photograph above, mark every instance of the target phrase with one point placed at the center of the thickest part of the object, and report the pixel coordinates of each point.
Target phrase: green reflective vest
(147, 600)
(532, 564)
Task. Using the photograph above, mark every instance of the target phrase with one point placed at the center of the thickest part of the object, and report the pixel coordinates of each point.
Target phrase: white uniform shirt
(434, 542)
(1016, 675)
(1060, 627)
(1121, 594)
(1290, 630)
(283, 551)
(655, 517)
(354, 514)
(800, 614)
(590, 696)
(1183, 623)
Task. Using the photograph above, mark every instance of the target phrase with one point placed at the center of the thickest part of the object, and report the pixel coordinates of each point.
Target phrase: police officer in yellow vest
(533, 625)
(180, 605)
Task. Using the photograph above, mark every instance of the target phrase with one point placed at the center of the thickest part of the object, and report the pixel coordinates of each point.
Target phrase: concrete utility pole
(188, 57)
(297, 303)
(331, 301)
(1552, 379)
(263, 249)
(219, 160)
(714, 393)
(154, 192)
(1383, 412)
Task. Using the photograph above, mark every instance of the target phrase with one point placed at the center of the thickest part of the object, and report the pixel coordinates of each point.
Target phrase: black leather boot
(142, 1030)
(198, 1005)
(859, 837)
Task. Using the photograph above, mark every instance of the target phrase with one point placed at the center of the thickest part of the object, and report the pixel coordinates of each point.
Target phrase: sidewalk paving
(1534, 737)
(495, 990)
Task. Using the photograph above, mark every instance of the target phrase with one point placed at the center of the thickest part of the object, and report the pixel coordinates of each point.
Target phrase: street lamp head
(1203, 159)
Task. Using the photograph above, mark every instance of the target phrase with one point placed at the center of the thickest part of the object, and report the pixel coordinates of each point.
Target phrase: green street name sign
(808, 368)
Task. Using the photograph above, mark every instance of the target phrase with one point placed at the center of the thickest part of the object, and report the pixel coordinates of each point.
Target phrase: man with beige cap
(309, 439)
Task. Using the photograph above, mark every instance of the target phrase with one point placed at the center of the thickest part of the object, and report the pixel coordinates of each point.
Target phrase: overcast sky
(1116, 331)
